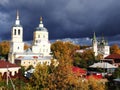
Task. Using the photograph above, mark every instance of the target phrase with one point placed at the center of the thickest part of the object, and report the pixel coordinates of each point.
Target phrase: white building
(100, 46)
(40, 48)
(6, 67)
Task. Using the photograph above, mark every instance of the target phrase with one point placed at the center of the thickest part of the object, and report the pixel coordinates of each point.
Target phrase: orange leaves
(115, 49)
(4, 47)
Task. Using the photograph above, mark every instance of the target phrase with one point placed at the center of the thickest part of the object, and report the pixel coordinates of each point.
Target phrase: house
(6, 66)
(113, 59)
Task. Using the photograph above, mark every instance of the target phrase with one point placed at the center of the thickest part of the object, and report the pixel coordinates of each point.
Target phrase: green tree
(85, 59)
(116, 74)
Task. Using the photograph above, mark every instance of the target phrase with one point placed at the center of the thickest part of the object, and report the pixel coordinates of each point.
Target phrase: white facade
(39, 48)
(100, 47)
(41, 43)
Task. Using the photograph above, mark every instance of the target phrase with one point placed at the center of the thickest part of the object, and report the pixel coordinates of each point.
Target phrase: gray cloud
(63, 18)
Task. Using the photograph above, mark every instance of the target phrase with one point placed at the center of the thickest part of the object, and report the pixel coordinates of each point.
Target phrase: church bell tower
(17, 44)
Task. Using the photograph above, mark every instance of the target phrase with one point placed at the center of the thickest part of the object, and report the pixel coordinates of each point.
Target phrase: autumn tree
(4, 48)
(40, 76)
(26, 46)
(114, 49)
(95, 84)
(60, 48)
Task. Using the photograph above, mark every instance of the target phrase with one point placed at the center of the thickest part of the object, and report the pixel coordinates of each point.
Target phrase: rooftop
(6, 64)
(113, 56)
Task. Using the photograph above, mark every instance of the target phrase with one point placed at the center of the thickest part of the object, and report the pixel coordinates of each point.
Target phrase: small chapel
(39, 52)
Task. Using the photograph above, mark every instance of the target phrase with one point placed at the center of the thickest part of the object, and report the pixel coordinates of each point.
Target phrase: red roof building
(114, 58)
(8, 67)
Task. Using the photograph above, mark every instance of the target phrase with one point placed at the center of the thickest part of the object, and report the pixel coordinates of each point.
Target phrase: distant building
(100, 46)
(8, 67)
(40, 48)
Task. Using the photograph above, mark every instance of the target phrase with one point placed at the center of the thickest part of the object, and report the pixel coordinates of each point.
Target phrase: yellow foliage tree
(40, 76)
(60, 48)
(95, 84)
(26, 46)
(114, 49)
(4, 48)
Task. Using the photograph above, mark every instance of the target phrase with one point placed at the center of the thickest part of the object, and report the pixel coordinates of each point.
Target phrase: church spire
(17, 22)
(17, 16)
(94, 37)
(41, 22)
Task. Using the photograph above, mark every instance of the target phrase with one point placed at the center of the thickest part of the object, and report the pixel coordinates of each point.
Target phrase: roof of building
(34, 57)
(6, 64)
(113, 56)
(40, 29)
(78, 70)
(102, 65)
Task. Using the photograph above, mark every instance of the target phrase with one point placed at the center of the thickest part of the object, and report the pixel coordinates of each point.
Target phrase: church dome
(41, 26)
(41, 29)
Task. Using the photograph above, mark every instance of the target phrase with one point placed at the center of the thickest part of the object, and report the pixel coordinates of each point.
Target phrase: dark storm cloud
(62, 18)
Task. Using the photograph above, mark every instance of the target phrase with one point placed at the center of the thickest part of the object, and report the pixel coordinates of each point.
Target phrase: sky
(63, 18)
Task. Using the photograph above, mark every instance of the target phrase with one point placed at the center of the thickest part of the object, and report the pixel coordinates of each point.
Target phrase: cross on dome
(41, 23)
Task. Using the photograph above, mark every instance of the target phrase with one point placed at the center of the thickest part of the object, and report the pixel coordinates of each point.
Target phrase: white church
(100, 46)
(40, 48)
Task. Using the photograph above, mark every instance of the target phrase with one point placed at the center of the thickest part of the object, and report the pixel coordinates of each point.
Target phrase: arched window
(14, 31)
(18, 31)
(38, 36)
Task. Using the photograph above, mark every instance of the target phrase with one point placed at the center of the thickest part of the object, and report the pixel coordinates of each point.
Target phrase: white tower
(17, 45)
(41, 43)
(94, 44)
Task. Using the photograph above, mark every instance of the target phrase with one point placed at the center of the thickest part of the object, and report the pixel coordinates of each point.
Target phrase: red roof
(113, 56)
(78, 70)
(5, 64)
(95, 76)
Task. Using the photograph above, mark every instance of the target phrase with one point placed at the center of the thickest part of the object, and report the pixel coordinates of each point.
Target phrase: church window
(38, 36)
(18, 31)
(43, 50)
(43, 36)
(18, 47)
(14, 31)
(36, 41)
